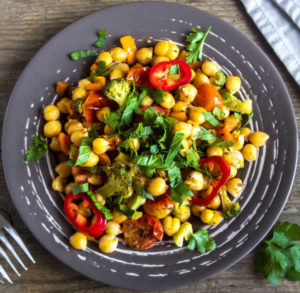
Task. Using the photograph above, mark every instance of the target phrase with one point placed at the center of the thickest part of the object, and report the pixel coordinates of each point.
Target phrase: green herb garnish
(83, 54)
(105, 211)
(101, 39)
(84, 151)
(79, 188)
(211, 119)
(141, 191)
(201, 242)
(37, 149)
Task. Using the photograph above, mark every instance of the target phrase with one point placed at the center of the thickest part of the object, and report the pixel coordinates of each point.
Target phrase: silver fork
(4, 225)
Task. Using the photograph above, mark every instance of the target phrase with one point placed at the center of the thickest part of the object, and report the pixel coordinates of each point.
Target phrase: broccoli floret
(220, 78)
(230, 209)
(236, 105)
(118, 91)
(77, 105)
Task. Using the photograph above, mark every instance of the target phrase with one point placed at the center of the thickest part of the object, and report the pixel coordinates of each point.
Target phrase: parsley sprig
(201, 242)
(37, 149)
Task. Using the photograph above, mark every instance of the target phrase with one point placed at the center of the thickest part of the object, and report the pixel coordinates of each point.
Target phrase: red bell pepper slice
(216, 183)
(140, 76)
(160, 75)
(94, 226)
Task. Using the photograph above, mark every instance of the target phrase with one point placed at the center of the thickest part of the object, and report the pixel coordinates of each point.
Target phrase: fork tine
(18, 239)
(5, 241)
(5, 256)
(5, 275)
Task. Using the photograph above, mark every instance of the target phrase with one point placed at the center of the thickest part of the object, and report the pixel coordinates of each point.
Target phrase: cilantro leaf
(83, 54)
(101, 39)
(113, 119)
(202, 242)
(104, 210)
(79, 188)
(248, 120)
(141, 191)
(84, 151)
(37, 149)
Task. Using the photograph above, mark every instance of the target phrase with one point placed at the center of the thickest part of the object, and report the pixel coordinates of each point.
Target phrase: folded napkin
(279, 22)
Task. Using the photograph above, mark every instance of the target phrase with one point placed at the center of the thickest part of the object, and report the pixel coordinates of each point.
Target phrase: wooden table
(25, 25)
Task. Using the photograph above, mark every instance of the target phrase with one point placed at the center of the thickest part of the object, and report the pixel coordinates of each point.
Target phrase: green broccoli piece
(236, 105)
(77, 105)
(220, 78)
(230, 209)
(118, 90)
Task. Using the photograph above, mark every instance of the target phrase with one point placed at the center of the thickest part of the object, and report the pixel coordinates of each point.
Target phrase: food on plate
(150, 138)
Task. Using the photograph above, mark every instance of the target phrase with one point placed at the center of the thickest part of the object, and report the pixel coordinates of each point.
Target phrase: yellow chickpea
(246, 133)
(62, 105)
(195, 131)
(147, 102)
(52, 128)
(187, 93)
(258, 138)
(206, 216)
(78, 241)
(144, 55)
(239, 143)
(171, 225)
(58, 184)
(134, 144)
(197, 210)
(113, 228)
(234, 186)
(158, 59)
(185, 147)
(77, 136)
(168, 101)
(182, 212)
(124, 67)
(194, 180)
(157, 186)
(79, 93)
(63, 170)
(183, 127)
(54, 144)
(118, 217)
(72, 127)
(172, 52)
(118, 54)
(199, 79)
(51, 113)
(68, 188)
(108, 243)
(215, 203)
(108, 130)
(214, 151)
(92, 161)
(95, 179)
(233, 122)
(100, 145)
(102, 113)
(106, 57)
(179, 115)
(116, 73)
(100, 198)
(233, 171)
(249, 152)
(233, 84)
(100, 80)
(235, 158)
(210, 68)
(161, 48)
(83, 83)
(196, 115)
(180, 106)
(193, 75)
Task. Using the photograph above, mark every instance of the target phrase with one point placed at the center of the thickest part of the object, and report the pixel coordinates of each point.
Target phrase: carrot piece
(180, 115)
(94, 67)
(64, 143)
(104, 159)
(224, 133)
(129, 46)
(94, 87)
(61, 88)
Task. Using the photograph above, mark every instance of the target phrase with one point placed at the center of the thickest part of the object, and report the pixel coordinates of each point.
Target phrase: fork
(5, 226)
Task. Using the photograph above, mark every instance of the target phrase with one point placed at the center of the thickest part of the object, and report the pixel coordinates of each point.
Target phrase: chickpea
(258, 138)
(179, 115)
(144, 55)
(106, 57)
(83, 83)
(58, 184)
(100, 80)
(62, 105)
(134, 144)
(185, 147)
(116, 73)
(161, 48)
(79, 93)
(74, 126)
(182, 212)
(52, 128)
(102, 113)
(249, 152)
(69, 122)
(147, 102)
(195, 131)
(215, 203)
(157, 186)
(158, 59)
(187, 92)
(210, 68)
(197, 210)
(78, 241)
(196, 115)
(214, 151)
(233, 171)
(193, 74)
(199, 79)
(77, 136)
(100, 198)
(233, 84)
(100, 145)
(246, 133)
(234, 186)
(113, 228)
(51, 112)
(180, 106)
(68, 188)
(235, 158)
(92, 161)
(206, 216)
(171, 225)
(183, 127)
(239, 143)
(63, 170)
(108, 130)
(124, 67)
(232, 122)
(194, 180)
(95, 179)
(54, 144)
(172, 52)
(118, 54)
(206, 192)
(118, 217)
(108, 243)
(168, 101)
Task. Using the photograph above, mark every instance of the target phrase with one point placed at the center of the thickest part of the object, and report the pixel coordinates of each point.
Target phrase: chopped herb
(222, 143)
(218, 112)
(156, 94)
(113, 119)
(101, 39)
(192, 158)
(83, 54)
(174, 69)
(248, 120)
(195, 41)
(154, 149)
(175, 147)
(84, 151)
(211, 119)
(141, 191)
(70, 163)
(238, 116)
(202, 242)
(37, 149)
(205, 134)
(101, 68)
(128, 212)
(79, 188)
(93, 133)
(93, 170)
(105, 211)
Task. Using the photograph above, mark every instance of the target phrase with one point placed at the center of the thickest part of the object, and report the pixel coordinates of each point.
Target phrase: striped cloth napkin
(279, 22)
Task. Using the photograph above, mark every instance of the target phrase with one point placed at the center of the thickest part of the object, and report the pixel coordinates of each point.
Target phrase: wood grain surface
(25, 25)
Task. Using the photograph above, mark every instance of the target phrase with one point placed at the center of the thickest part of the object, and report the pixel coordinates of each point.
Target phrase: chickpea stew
(152, 137)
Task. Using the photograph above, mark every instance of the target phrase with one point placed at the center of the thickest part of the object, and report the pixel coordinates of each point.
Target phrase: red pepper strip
(160, 75)
(94, 227)
(140, 76)
(216, 183)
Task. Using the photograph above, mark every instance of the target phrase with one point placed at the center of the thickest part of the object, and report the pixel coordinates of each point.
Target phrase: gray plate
(268, 181)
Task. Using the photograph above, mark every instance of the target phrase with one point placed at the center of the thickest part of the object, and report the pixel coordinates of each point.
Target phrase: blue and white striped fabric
(279, 22)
